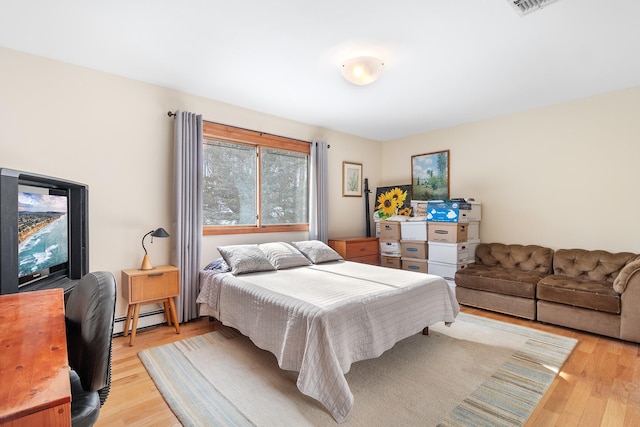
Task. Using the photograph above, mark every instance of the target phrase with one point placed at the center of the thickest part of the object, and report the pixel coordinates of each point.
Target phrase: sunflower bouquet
(391, 202)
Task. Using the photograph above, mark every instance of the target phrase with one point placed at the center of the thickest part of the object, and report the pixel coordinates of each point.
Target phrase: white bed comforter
(318, 320)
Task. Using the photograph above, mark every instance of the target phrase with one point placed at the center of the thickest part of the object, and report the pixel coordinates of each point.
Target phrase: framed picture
(351, 179)
(430, 176)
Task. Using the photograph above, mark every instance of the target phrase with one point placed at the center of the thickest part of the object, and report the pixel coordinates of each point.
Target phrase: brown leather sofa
(594, 291)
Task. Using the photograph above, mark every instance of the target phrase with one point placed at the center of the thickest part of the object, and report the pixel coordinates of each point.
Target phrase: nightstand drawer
(152, 286)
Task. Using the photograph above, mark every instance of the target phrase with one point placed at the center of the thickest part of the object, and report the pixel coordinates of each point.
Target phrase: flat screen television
(43, 232)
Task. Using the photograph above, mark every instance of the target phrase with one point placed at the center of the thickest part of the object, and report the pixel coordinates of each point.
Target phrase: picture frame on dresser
(430, 176)
(351, 179)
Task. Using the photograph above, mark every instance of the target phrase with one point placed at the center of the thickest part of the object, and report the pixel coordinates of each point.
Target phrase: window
(253, 182)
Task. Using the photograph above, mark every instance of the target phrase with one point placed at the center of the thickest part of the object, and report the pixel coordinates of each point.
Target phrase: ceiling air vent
(527, 6)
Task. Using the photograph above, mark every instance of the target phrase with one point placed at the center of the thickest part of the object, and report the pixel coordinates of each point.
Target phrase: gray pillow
(282, 255)
(245, 259)
(317, 251)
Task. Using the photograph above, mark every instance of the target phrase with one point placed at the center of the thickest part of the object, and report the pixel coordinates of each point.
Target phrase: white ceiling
(447, 62)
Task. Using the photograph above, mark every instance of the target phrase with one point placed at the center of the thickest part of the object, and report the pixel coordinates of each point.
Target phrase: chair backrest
(89, 312)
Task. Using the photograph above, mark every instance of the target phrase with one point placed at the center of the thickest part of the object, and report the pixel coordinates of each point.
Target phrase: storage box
(445, 270)
(390, 248)
(411, 264)
(414, 249)
(451, 253)
(473, 231)
(473, 214)
(473, 245)
(390, 262)
(447, 232)
(390, 230)
(443, 214)
(413, 230)
(454, 211)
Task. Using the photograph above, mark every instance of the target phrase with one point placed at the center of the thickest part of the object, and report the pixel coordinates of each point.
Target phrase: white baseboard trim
(145, 320)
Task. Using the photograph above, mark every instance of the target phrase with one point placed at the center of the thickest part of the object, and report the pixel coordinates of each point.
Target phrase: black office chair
(89, 313)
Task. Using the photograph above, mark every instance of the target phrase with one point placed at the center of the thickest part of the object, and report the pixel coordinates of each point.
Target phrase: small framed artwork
(430, 176)
(351, 179)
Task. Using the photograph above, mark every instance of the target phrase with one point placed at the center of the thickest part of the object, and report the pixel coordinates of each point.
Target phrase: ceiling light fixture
(362, 70)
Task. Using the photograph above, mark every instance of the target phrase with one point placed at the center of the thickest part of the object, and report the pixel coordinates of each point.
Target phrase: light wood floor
(599, 385)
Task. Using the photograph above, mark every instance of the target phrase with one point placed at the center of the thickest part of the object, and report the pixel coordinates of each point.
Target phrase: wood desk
(34, 368)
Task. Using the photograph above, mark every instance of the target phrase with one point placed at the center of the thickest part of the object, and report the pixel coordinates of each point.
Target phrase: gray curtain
(318, 192)
(187, 212)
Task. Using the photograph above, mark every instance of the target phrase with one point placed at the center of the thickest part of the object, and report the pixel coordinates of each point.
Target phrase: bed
(319, 314)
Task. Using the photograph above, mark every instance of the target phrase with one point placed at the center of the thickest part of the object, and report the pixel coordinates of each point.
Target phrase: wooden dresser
(358, 249)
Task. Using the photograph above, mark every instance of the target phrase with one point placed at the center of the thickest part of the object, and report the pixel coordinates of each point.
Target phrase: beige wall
(114, 134)
(564, 176)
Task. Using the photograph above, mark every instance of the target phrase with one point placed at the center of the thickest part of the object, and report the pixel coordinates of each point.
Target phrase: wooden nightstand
(161, 284)
(359, 249)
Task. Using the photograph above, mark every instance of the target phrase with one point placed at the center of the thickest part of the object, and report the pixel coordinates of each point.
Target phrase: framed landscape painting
(430, 176)
(351, 179)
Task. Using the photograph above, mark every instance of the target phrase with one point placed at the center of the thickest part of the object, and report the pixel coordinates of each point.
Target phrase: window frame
(226, 133)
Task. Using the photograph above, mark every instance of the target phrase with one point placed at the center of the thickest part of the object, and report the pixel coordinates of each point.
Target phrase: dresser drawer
(362, 248)
(369, 259)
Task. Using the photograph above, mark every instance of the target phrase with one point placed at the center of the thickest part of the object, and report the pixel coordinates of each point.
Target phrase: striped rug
(477, 372)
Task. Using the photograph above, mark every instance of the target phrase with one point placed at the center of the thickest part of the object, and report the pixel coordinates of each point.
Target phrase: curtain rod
(172, 114)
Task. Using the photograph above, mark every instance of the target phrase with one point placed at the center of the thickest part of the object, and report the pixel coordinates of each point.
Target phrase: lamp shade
(362, 70)
(146, 262)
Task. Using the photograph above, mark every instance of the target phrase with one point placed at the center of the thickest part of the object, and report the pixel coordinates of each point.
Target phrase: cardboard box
(447, 232)
(390, 262)
(443, 214)
(473, 214)
(390, 248)
(445, 270)
(390, 230)
(448, 211)
(451, 253)
(473, 245)
(414, 249)
(411, 264)
(473, 231)
(413, 230)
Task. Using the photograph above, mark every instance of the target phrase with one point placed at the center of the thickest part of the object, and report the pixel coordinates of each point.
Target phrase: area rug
(477, 372)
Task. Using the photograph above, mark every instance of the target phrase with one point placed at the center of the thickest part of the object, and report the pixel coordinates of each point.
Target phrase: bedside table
(161, 284)
(358, 249)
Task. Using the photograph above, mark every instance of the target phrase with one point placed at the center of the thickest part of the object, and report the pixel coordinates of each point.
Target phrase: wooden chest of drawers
(358, 249)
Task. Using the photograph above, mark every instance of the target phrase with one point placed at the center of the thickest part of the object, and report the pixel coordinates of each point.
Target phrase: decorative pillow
(317, 251)
(218, 265)
(282, 255)
(245, 259)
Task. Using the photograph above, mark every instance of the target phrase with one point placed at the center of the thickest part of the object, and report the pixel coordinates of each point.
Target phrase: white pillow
(282, 255)
(245, 259)
(317, 251)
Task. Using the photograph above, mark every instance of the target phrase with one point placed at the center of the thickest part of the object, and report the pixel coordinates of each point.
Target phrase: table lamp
(160, 232)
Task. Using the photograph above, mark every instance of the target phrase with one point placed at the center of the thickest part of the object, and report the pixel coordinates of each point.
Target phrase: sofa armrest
(630, 302)
(621, 281)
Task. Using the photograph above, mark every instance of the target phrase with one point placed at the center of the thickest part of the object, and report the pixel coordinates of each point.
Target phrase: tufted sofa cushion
(598, 266)
(525, 258)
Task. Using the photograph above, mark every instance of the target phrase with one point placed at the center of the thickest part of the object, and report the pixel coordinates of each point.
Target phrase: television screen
(43, 234)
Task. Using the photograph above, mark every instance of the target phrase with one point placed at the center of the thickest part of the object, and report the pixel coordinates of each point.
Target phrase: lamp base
(146, 263)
